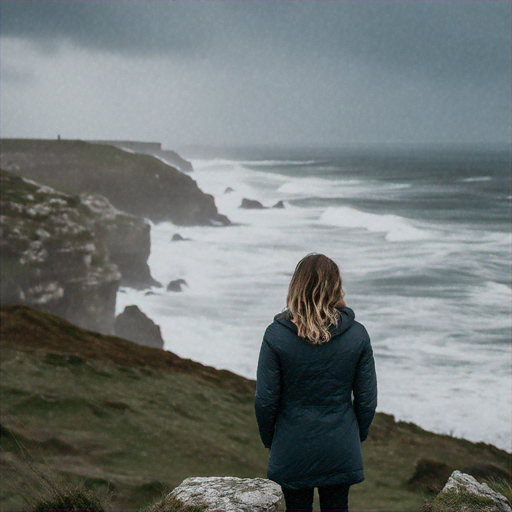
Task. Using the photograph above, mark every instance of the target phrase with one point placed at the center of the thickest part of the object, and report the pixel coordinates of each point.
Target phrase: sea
(422, 236)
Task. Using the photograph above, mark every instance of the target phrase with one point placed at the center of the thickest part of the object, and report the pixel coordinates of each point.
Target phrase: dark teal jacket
(315, 403)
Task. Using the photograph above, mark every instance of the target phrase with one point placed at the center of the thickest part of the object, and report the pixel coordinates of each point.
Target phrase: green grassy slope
(137, 420)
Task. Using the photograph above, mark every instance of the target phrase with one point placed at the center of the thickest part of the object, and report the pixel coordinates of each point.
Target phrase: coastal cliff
(67, 254)
(126, 237)
(135, 183)
(150, 148)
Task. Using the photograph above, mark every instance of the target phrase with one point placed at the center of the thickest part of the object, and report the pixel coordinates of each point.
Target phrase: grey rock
(279, 204)
(52, 259)
(228, 190)
(468, 484)
(132, 324)
(229, 494)
(176, 285)
(251, 204)
(178, 238)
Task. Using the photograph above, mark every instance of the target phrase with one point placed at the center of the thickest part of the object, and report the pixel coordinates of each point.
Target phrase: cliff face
(51, 258)
(135, 183)
(126, 237)
(150, 148)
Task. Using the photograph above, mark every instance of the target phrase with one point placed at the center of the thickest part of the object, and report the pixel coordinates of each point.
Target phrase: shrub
(74, 500)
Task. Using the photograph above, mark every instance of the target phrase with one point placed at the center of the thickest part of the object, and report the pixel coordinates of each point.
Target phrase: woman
(316, 390)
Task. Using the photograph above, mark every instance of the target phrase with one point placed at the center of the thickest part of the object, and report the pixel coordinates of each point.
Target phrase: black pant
(333, 498)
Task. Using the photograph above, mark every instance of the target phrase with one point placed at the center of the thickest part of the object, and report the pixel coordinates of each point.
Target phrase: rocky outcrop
(463, 493)
(127, 239)
(223, 494)
(178, 238)
(132, 324)
(51, 257)
(251, 204)
(176, 285)
(135, 183)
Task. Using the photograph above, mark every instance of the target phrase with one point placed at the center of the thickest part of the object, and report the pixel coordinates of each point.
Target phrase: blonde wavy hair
(314, 295)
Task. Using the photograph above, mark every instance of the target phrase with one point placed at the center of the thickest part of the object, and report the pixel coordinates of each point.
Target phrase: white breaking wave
(308, 187)
(477, 178)
(282, 163)
(397, 229)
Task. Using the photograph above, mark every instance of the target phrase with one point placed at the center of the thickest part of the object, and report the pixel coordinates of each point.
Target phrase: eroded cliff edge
(67, 254)
(135, 183)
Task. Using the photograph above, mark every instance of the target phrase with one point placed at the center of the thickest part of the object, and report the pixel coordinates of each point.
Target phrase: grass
(134, 421)
(169, 503)
(501, 486)
(458, 500)
(76, 500)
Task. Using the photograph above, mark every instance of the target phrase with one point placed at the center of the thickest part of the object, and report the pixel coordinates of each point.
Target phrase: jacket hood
(345, 321)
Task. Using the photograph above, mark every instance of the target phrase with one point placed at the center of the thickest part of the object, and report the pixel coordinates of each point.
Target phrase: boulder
(251, 204)
(279, 204)
(178, 238)
(132, 324)
(228, 190)
(52, 258)
(228, 494)
(176, 285)
(463, 493)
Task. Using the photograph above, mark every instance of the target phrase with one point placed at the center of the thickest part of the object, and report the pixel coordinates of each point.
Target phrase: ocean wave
(316, 186)
(396, 228)
(198, 163)
(281, 163)
(216, 162)
(477, 178)
(397, 186)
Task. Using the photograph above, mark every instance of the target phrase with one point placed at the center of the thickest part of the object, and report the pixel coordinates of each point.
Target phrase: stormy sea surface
(423, 241)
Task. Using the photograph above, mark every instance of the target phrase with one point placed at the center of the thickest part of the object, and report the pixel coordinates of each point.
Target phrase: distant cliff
(135, 183)
(66, 254)
(150, 148)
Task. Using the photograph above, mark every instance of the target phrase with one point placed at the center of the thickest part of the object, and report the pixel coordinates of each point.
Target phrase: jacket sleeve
(365, 390)
(268, 392)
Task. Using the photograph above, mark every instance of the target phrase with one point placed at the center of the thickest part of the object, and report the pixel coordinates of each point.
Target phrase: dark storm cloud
(113, 26)
(454, 39)
(227, 72)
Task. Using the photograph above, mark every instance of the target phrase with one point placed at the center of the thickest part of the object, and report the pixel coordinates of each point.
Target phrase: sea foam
(396, 229)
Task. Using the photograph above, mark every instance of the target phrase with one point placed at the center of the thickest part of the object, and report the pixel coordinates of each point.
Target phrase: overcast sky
(322, 73)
